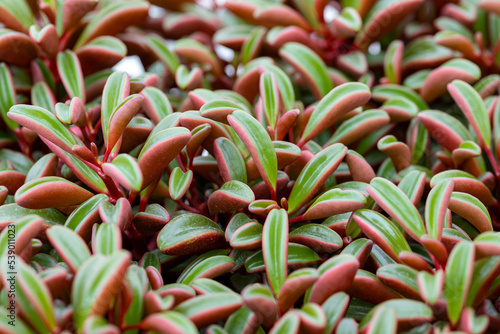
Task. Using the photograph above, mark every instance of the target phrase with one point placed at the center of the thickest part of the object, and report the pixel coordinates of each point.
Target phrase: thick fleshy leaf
(270, 96)
(436, 207)
(113, 18)
(7, 94)
(119, 118)
(435, 84)
(17, 15)
(70, 71)
(31, 295)
(382, 231)
(119, 213)
(359, 126)
(310, 65)
(190, 233)
(470, 208)
(106, 274)
(24, 52)
(298, 257)
(459, 271)
(166, 56)
(312, 318)
(397, 205)
(335, 201)
(383, 93)
(318, 237)
(240, 322)
(100, 53)
(49, 192)
(156, 104)
(295, 285)
(409, 313)
(69, 245)
(107, 239)
(472, 105)
(384, 320)
(400, 109)
(343, 267)
(229, 160)
(159, 150)
(487, 244)
(197, 52)
(430, 285)
(446, 129)
(333, 106)
(218, 110)
(70, 114)
(233, 195)
(275, 248)
(208, 268)
(314, 174)
(171, 321)
(247, 237)
(335, 307)
(483, 277)
(208, 286)
(465, 182)
(125, 170)
(252, 45)
(393, 61)
(44, 123)
(289, 323)
(400, 278)
(259, 145)
(179, 182)
(208, 309)
(259, 298)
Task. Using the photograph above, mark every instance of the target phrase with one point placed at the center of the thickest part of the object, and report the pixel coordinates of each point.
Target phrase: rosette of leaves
(296, 184)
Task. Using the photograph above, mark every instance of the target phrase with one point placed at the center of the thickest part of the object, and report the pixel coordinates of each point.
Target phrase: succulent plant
(280, 167)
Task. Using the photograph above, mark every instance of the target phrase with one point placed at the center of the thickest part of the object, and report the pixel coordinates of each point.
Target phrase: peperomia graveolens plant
(299, 166)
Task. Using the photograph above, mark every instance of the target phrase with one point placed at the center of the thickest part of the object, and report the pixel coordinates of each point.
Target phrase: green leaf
(117, 88)
(275, 248)
(99, 279)
(230, 162)
(397, 205)
(298, 255)
(436, 208)
(335, 307)
(382, 231)
(314, 174)
(309, 64)
(393, 61)
(333, 106)
(117, 15)
(189, 233)
(430, 285)
(44, 123)
(69, 245)
(208, 268)
(207, 309)
(107, 239)
(20, 11)
(179, 182)
(259, 145)
(126, 171)
(71, 74)
(407, 311)
(34, 298)
(7, 95)
(384, 320)
(252, 44)
(156, 104)
(459, 269)
(270, 98)
(173, 321)
(472, 105)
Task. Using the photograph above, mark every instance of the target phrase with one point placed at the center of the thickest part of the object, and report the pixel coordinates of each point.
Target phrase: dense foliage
(286, 166)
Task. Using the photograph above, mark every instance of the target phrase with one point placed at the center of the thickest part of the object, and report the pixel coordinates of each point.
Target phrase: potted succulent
(280, 166)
